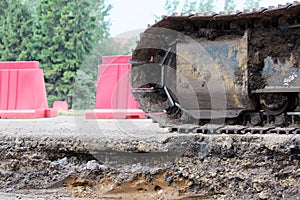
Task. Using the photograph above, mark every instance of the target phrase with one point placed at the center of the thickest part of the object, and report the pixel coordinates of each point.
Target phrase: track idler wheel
(274, 103)
(255, 119)
(280, 120)
(293, 102)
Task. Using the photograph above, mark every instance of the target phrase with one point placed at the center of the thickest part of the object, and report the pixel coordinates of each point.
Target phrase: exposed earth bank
(70, 157)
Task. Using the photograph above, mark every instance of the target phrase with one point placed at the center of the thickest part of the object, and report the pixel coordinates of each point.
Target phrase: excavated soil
(62, 161)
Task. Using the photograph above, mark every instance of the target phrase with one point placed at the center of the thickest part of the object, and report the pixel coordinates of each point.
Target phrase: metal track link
(268, 128)
(218, 129)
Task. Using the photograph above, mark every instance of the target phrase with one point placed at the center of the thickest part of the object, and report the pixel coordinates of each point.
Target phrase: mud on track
(70, 157)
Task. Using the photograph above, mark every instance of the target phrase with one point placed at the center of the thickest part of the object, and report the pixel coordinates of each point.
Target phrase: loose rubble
(218, 167)
(242, 167)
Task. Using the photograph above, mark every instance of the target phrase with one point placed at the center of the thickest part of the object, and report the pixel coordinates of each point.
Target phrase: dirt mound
(207, 166)
(242, 167)
(164, 185)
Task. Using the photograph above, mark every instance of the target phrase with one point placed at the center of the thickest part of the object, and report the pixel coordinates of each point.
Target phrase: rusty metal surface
(211, 71)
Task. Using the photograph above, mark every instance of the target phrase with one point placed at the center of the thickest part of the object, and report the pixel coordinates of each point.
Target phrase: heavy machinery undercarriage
(226, 72)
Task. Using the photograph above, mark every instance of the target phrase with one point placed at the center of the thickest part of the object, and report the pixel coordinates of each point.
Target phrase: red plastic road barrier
(60, 106)
(19, 65)
(22, 91)
(109, 60)
(113, 97)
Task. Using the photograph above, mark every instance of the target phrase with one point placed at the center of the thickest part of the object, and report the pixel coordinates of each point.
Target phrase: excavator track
(156, 64)
(223, 128)
(215, 129)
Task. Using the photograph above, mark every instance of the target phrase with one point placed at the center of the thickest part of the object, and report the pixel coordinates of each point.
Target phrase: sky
(130, 17)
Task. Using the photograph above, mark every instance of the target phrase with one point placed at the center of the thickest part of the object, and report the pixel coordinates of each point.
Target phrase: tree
(84, 96)
(65, 33)
(206, 6)
(189, 6)
(250, 4)
(171, 6)
(31, 3)
(229, 5)
(15, 31)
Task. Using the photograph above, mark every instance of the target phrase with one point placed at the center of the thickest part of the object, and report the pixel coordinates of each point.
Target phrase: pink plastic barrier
(19, 65)
(113, 87)
(113, 98)
(60, 106)
(22, 91)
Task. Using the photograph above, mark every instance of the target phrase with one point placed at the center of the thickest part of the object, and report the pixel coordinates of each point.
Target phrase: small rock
(263, 195)
(160, 191)
(154, 171)
(92, 165)
(63, 161)
(143, 147)
(103, 167)
(136, 168)
(257, 187)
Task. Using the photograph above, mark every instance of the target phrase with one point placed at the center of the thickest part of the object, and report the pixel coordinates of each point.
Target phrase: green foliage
(52, 98)
(189, 6)
(206, 6)
(84, 90)
(171, 6)
(250, 4)
(65, 33)
(229, 5)
(15, 31)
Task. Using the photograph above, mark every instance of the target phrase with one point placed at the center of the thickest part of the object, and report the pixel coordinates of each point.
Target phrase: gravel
(69, 157)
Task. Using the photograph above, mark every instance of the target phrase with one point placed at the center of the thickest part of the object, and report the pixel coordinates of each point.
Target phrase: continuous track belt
(217, 129)
(240, 129)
